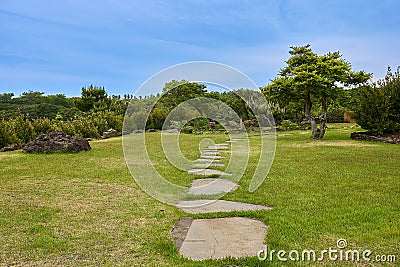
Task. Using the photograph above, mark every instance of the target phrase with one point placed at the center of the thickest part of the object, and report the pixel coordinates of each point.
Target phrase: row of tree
(38, 105)
(310, 89)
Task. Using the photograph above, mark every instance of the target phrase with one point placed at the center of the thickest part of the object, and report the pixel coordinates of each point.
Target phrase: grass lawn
(86, 210)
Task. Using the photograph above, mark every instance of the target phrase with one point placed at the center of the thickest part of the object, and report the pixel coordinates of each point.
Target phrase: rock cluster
(11, 148)
(392, 139)
(57, 141)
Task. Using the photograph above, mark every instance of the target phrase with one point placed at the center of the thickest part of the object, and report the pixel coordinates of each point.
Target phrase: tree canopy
(309, 78)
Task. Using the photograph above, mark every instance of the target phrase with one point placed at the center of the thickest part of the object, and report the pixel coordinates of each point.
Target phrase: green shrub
(114, 121)
(187, 129)
(287, 125)
(379, 105)
(42, 125)
(7, 134)
(65, 126)
(85, 127)
(23, 128)
(99, 122)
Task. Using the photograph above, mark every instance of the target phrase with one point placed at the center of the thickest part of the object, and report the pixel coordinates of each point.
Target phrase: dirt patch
(9, 155)
(106, 140)
(329, 143)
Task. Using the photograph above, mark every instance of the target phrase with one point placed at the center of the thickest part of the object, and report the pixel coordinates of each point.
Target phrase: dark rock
(367, 136)
(57, 141)
(109, 133)
(11, 147)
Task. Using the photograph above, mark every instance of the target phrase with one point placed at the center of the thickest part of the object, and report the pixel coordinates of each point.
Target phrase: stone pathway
(200, 239)
(211, 186)
(218, 146)
(208, 172)
(211, 152)
(212, 157)
(209, 206)
(208, 160)
(206, 165)
(223, 237)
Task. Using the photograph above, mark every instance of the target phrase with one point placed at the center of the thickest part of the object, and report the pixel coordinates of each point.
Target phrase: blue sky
(60, 46)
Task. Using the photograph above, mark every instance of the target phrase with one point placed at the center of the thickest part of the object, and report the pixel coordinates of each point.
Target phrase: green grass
(86, 210)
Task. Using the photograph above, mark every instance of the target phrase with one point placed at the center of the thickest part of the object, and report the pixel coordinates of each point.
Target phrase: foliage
(36, 105)
(308, 79)
(23, 128)
(42, 125)
(7, 134)
(93, 98)
(287, 125)
(379, 105)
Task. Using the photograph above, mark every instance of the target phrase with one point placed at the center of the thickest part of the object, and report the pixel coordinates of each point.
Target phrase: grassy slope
(86, 209)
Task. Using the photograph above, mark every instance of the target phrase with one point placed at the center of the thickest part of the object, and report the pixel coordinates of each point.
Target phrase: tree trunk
(307, 111)
(323, 117)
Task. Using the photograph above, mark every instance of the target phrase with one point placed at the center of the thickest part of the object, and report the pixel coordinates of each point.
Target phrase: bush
(379, 105)
(85, 127)
(7, 134)
(287, 125)
(42, 125)
(114, 121)
(23, 128)
(99, 122)
(187, 129)
(65, 127)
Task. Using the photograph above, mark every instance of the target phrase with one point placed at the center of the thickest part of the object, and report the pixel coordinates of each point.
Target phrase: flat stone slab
(218, 147)
(211, 186)
(206, 165)
(210, 152)
(209, 206)
(220, 238)
(212, 157)
(208, 172)
(207, 160)
(231, 141)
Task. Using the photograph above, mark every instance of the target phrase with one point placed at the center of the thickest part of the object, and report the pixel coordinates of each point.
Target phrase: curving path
(200, 239)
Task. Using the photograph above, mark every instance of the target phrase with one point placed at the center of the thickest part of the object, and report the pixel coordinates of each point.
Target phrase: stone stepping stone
(218, 147)
(240, 139)
(212, 157)
(208, 160)
(208, 172)
(231, 141)
(209, 206)
(211, 186)
(220, 238)
(205, 165)
(209, 153)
